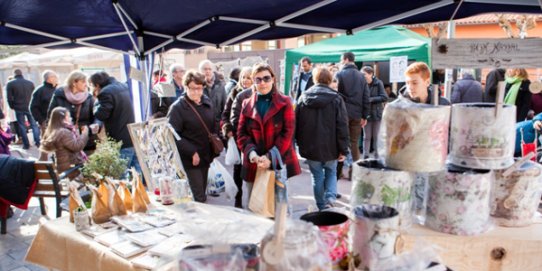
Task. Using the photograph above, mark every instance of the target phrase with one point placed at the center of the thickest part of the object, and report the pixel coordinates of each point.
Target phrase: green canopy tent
(377, 44)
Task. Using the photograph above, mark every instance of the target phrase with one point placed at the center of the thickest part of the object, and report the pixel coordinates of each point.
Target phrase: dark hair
(368, 69)
(306, 59)
(193, 76)
(321, 75)
(158, 72)
(17, 72)
(234, 74)
(100, 79)
(349, 56)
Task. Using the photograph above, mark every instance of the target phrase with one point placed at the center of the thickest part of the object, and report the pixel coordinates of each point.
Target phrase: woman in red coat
(267, 120)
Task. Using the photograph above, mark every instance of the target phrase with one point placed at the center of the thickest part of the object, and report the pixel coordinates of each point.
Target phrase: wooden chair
(48, 185)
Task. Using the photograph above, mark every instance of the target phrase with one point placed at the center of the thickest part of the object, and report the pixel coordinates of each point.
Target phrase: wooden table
(499, 249)
(57, 245)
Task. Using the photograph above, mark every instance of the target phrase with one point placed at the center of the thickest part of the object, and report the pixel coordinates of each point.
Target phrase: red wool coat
(275, 129)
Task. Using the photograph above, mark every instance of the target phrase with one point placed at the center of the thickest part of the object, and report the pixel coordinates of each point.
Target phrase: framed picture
(156, 150)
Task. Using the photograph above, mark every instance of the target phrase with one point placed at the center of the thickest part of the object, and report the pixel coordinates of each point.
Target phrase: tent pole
(449, 73)
(505, 2)
(196, 27)
(314, 28)
(128, 32)
(104, 36)
(405, 15)
(126, 15)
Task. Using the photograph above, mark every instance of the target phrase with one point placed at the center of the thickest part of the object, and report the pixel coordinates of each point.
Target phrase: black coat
(19, 92)
(194, 137)
(322, 124)
(523, 100)
(16, 178)
(217, 94)
(300, 91)
(41, 98)
(86, 114)
(492, 83)
(237, 106)
(377, 98)
(353, 87)
(114, 108)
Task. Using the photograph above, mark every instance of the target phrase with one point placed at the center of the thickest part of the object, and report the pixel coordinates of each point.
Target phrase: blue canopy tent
(140, 27)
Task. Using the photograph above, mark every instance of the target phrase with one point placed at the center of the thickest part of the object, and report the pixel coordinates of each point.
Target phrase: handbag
(216, 142)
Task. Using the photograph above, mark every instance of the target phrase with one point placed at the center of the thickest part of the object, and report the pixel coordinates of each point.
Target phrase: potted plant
(105, 161)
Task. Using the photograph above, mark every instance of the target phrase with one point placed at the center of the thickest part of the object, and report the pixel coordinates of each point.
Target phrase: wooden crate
(499, 249)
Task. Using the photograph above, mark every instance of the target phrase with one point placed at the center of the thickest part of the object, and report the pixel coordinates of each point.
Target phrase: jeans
(324, 182)
(20, 116)
(130, 155)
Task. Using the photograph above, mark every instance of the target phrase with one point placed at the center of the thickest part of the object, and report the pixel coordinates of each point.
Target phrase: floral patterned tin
(414, 137)
(480, 140)
(458, 201)
(375, 184)
(515, 198)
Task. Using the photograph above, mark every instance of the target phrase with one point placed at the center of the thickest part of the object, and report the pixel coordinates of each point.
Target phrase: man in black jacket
(114, 108)
(19, 92)
(354, 90)
(322, 135)
(492, 83)
(305, 77)
(41, 98)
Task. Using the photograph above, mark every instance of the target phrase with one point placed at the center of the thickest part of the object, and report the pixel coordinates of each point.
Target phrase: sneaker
(338, 196)
(214, 194)
(328, 206)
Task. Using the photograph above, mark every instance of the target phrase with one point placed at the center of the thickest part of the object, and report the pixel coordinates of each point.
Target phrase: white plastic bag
(220, 180)
(232, 154)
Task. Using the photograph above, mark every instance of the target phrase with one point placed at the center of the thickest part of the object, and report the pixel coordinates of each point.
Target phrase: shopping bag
(262, 198)
(215, 178)
(229, 183)
(527, 148)
(115, 202)
(75, 200)
(233, 157)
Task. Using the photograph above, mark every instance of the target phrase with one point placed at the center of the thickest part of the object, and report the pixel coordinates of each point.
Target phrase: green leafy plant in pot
(105, 161)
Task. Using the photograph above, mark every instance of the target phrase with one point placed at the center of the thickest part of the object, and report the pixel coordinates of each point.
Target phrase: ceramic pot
(458, 201)
(374, 234)
(414, 137)
(515, 198)
(480, 140)
(334, 228)
(373, 183)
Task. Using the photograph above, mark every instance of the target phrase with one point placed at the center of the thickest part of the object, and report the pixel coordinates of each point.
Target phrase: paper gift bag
(262, 198)
(115, 202)
(75, 200)
(100, 210)
(125, 195)
(140, 186)
(138, 195)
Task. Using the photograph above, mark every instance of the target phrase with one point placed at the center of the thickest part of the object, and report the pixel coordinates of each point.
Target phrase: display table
(498, 249)
(57, 245)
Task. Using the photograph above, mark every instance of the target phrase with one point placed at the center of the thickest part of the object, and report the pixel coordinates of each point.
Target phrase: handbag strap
(276, 159)
(199, 117)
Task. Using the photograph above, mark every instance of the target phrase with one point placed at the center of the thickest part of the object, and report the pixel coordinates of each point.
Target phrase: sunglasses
(265, 79)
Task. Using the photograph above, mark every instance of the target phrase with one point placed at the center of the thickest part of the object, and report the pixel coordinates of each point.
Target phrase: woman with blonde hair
(517, 92)
(75, 97)
(229, 123)
(62, 138)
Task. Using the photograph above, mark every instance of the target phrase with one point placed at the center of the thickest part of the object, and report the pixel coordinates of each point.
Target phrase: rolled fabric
(414, 137)
(458, 201)
(515, 198)
(480, 140)
(373, 183)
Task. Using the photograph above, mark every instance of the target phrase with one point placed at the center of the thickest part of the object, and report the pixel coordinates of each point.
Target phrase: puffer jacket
(353, 87)
(67, 148)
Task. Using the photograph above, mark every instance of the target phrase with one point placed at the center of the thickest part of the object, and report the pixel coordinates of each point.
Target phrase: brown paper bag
(262, 198)
(100, 210)
(102, 189)
(115, 202)
(75, 200)
(139, 203)
(125, 195)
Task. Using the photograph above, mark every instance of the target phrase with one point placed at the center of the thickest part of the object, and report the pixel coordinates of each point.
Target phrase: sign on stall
(484, 53)
(136, 74)
(398, 65)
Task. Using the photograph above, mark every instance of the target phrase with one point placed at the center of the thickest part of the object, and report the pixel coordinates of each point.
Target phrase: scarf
(512, 94)
(75, 99)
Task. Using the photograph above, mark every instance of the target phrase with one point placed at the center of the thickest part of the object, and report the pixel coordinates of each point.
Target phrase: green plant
(106, 160)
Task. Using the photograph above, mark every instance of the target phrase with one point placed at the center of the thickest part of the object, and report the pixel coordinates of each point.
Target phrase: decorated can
(515, 198)
(374, 234)
(414, 137)
(373, 183)
(458, 201)
(334, 228)
(479, 139)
